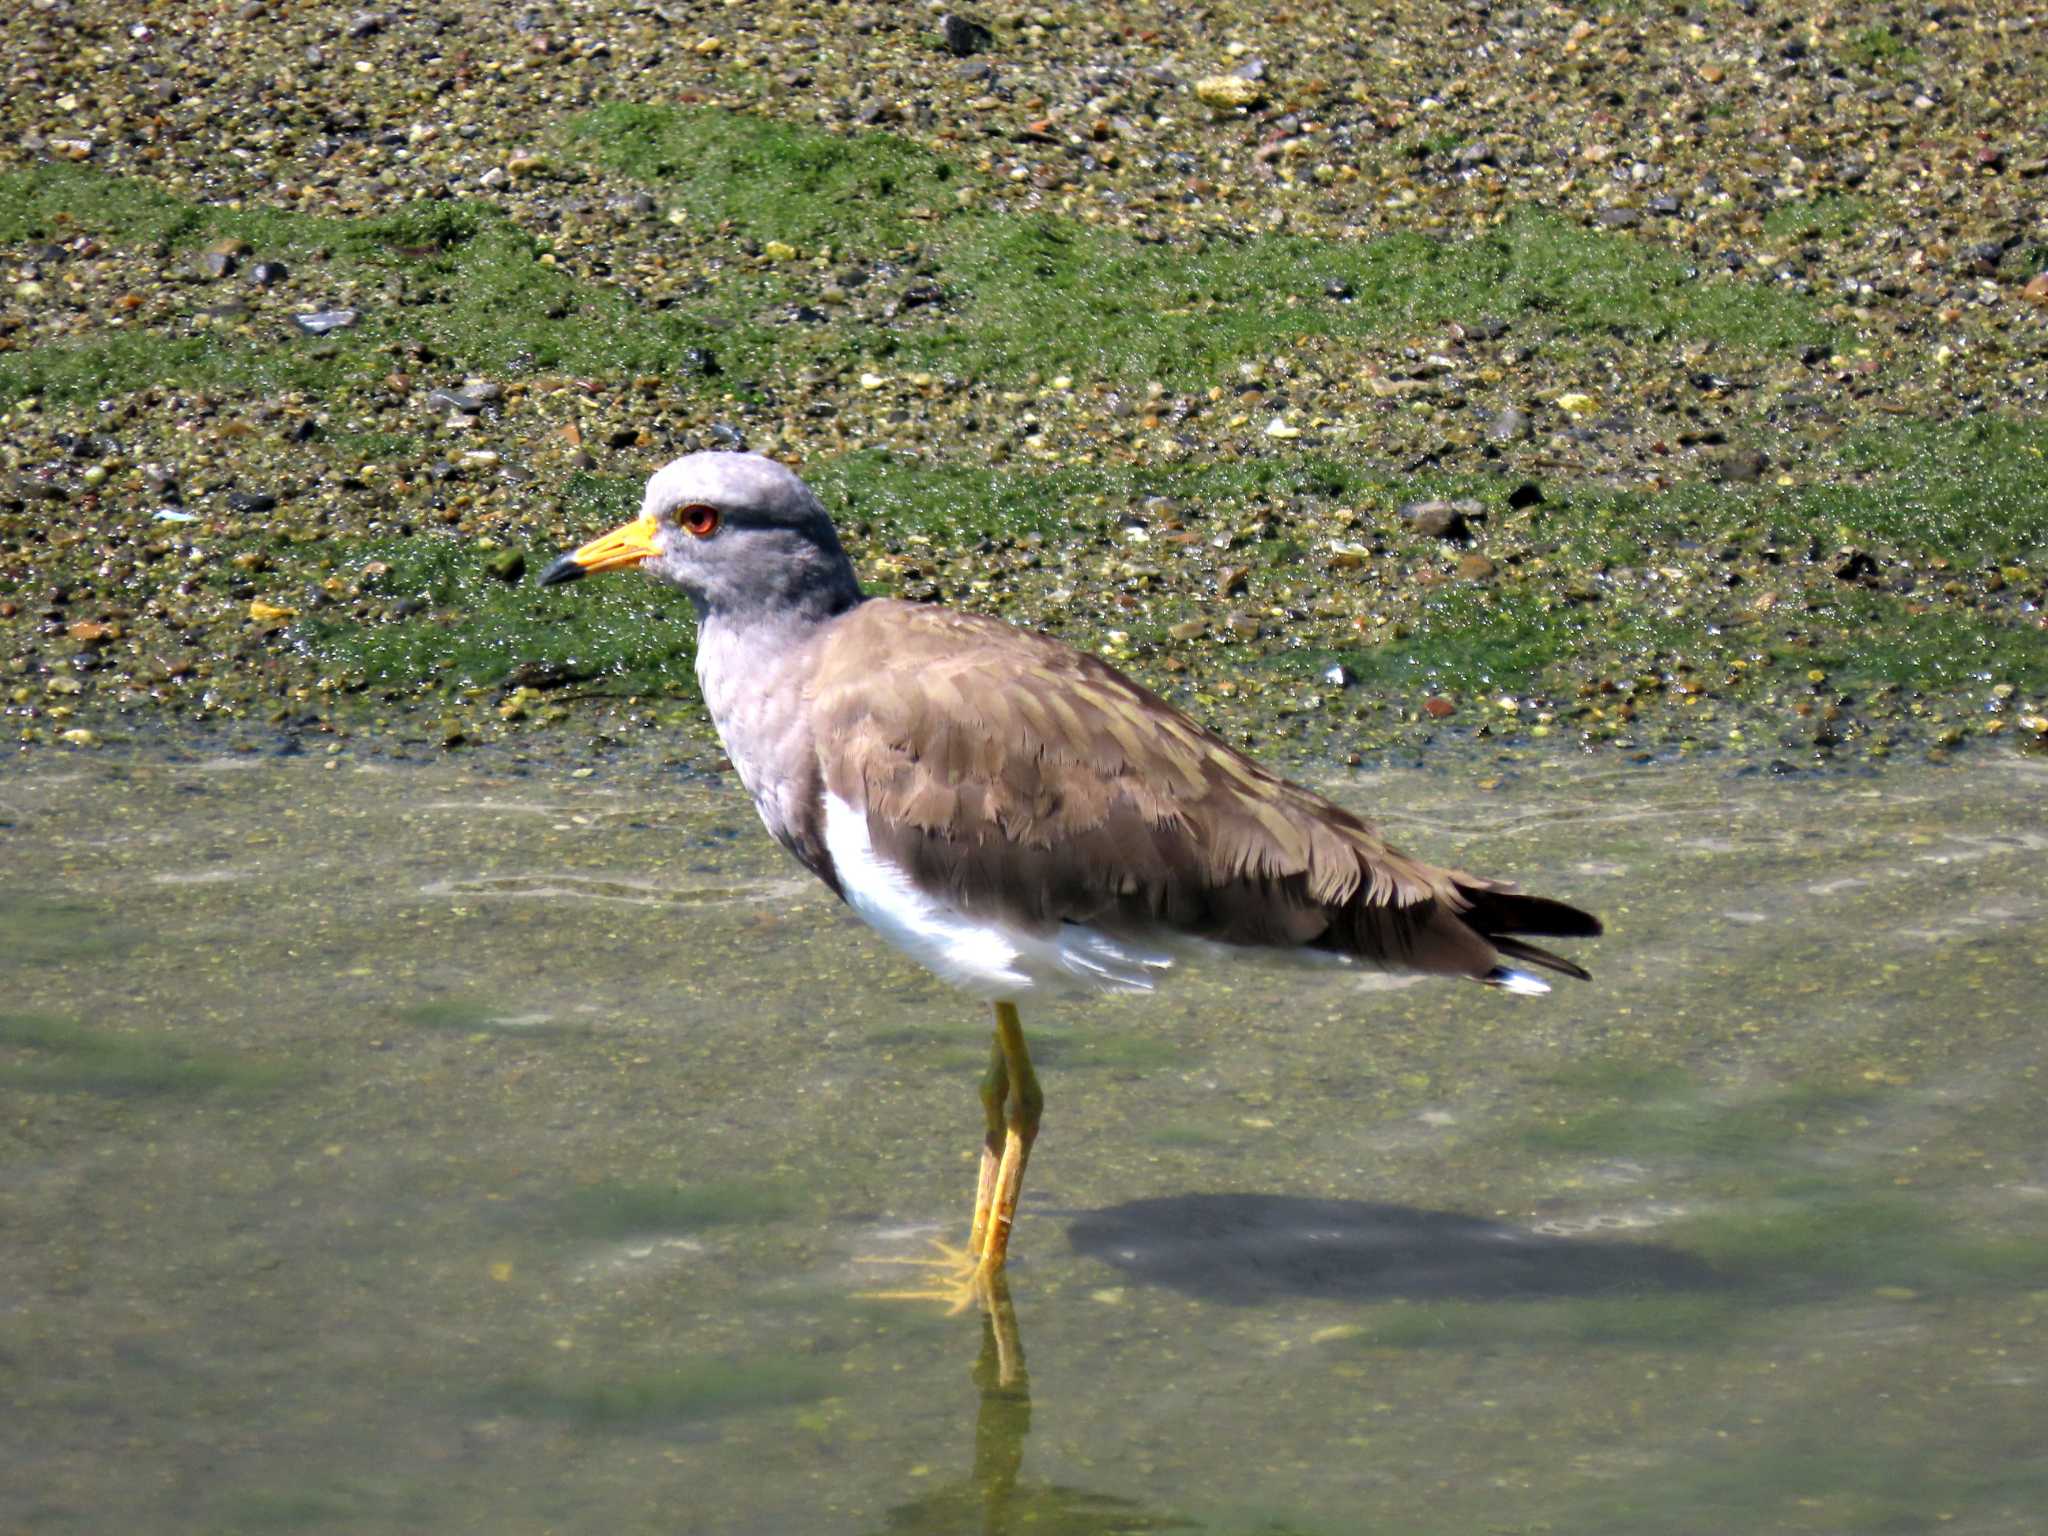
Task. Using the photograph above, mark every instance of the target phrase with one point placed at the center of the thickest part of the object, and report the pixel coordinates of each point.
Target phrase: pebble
(1743, 467)
(1226, 92)
(326, 320)
(1511, 425)
(963, 35)
(1475, 568)
(1442, 519)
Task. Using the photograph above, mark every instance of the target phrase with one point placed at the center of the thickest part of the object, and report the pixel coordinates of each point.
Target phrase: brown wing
(1029, 781)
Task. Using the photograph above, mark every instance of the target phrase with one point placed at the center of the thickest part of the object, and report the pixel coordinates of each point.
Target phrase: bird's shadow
(1246, 1249)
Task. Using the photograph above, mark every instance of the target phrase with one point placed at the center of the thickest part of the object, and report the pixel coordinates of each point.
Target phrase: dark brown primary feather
(1032, 783)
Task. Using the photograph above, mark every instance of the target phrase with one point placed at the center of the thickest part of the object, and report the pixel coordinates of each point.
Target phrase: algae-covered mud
(490, 1144)
(1666, 379)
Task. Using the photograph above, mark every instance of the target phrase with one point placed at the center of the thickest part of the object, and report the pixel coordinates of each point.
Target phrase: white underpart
(981, 955)
(1508, 979)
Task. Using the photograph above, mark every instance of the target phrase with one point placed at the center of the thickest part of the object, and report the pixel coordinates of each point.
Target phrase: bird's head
(741, 534)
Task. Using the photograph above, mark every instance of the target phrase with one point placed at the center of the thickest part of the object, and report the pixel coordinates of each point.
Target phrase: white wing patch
(990, 959)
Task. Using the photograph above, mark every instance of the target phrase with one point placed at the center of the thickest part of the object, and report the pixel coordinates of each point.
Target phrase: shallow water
(393, 1147)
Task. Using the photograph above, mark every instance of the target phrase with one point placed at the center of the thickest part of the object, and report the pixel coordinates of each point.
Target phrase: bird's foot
(959, 1278)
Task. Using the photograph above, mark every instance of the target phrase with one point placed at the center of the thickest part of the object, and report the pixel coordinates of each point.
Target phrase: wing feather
(1031, 782)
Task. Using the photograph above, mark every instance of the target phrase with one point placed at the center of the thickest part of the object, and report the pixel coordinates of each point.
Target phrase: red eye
(698, 520)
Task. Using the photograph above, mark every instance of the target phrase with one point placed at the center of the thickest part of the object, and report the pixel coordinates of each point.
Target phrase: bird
(1017, 815)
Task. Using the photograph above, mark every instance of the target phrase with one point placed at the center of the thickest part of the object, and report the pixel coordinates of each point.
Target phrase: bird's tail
(1500, 917)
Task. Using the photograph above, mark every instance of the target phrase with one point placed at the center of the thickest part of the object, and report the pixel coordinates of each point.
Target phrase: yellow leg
(1022, 1109)
(995, 1087)
(1011, 1104)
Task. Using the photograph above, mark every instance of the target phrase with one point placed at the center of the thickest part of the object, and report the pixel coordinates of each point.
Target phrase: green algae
(1834, 1234)
(1979, 494)
(45, 932)
(443, 620)
(1664, 1115)
(622, 1210)
(1031, 293)
(1675, 1321)
(47, 1055)
(773, 180)
(648, 1398)
(1835, 216)
(457, 281)
(1027, 292)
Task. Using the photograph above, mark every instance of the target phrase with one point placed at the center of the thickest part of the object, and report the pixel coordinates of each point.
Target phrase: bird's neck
(744, 649)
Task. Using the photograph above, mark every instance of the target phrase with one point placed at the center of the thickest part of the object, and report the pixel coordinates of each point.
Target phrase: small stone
(1281, 427)
(1226, 92)
(1188, 629)
(249, 502)
(728, 436)
(872, 381)
(779, 250)
(1231, 580)
(1339, 676)
(1511, 425)
(507, 565)
(213, 265)
(78, 736)
(270, 613)
(1619, 218)
(1527, 494)
(963, 35)
(1438, 707)
(326, 320)
(1439, 519)
(1577, 404)
(268, 274)
(1475, 568)
(2036, 290)
(1742, 467)
(455, 400)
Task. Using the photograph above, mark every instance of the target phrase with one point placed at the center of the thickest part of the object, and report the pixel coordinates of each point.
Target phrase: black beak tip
(564, 569)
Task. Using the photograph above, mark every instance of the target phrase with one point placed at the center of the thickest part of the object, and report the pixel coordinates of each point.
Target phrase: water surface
(397, 1147)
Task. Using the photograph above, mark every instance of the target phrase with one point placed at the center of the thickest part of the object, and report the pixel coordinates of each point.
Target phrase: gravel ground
(1665, 379)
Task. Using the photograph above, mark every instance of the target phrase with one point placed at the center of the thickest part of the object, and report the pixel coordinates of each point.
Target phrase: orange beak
(625, 545)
